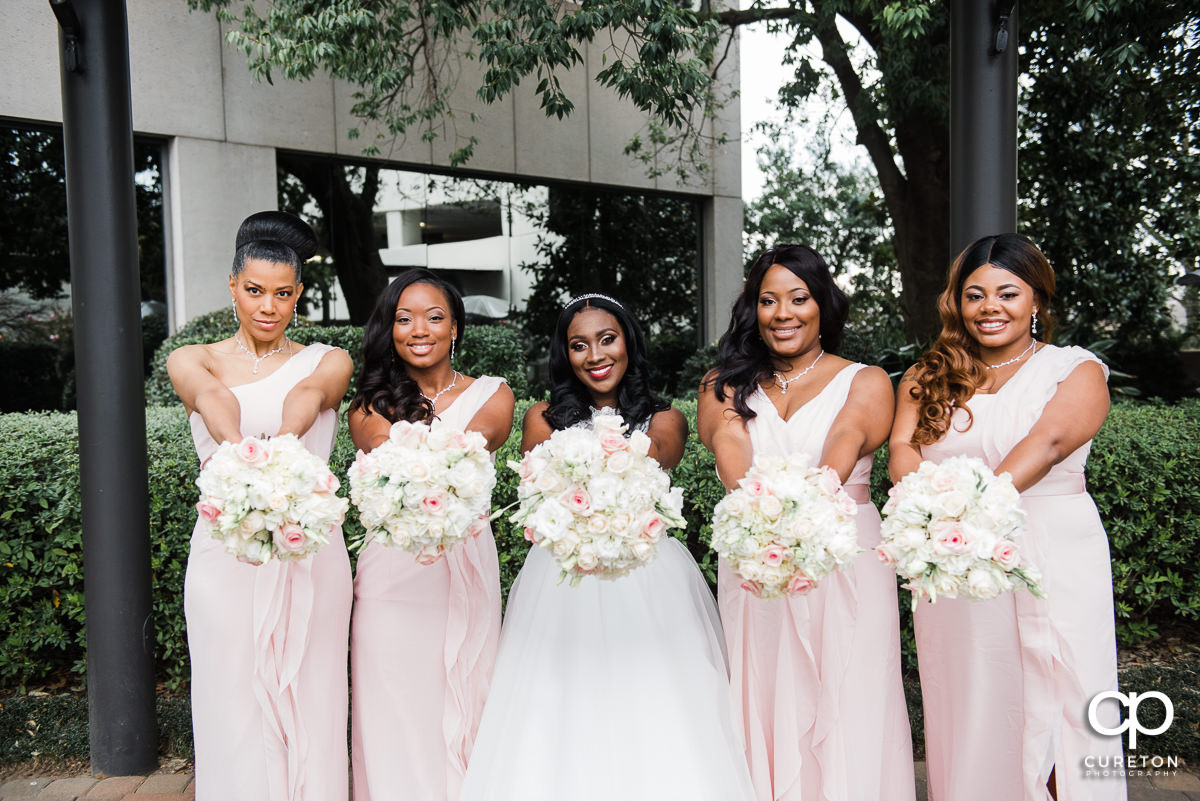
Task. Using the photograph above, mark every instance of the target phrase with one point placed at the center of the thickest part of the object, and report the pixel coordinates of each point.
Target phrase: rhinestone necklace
(287, 343)
(783, 384)
(433, 401)
(1024, 353)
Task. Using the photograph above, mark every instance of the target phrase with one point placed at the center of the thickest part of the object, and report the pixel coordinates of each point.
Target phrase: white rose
(982, 584)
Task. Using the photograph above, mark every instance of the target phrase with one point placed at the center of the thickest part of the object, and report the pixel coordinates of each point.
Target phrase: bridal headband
(590, 296)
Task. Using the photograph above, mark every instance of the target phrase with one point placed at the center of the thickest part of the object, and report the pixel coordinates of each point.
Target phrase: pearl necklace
(287, 343)
(783, 384)
(433, 401)
(1024, 353)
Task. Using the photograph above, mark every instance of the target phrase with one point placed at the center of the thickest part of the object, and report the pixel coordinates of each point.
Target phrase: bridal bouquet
(425, 490)
(953, 529)
(595, 500)
(787, 526)
(269, 499)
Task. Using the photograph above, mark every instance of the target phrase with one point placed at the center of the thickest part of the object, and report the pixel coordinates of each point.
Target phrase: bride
(611, 688)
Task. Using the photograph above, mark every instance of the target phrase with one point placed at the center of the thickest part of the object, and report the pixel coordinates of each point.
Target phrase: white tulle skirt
(609, 690)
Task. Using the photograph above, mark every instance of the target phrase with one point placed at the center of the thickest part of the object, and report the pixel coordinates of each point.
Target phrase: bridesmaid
(267, 643)
(1006, 683)
(424, 637)
(815, 678)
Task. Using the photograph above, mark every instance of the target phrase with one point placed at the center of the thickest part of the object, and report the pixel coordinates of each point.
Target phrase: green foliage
(1144, 474)
(487, 350)
(639, 249)
(494, 350)
(54, 728)
(403, 57)
(1109, 168)
(33, 213)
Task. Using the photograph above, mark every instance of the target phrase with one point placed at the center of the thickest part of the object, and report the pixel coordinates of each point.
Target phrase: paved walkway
(1183, 785)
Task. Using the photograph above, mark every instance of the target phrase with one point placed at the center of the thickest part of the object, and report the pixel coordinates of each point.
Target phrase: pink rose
(252, 451)
(328, 483)
(1006, 554)
(654, 528)
(289, 538)
(429, 554)
(576, 499)
(942, 480)
(800, 584)
(885, 553)
(950, 539)
(525, 470)
(208, 511)
(458, 441)
(772, 555)
(434, 503)
(612, 441)
(752, 587)
(529, 535)
(829, 481)
(755, 487)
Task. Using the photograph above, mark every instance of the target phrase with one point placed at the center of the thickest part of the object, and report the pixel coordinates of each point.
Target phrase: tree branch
(870, 133)
(735, 17)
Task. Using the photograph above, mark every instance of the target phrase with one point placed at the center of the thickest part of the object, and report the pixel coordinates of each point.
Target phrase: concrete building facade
(221, 130)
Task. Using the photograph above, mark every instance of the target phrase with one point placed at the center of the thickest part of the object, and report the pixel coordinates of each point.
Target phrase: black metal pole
(102, 226)
(983, 119)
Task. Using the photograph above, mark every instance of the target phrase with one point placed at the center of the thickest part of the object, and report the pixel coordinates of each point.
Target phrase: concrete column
(721, 262)
(210, 187)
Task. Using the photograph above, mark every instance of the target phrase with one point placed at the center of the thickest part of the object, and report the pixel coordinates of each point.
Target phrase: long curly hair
(386, 388)
(745, 360)
(570, 401)
(951, 371)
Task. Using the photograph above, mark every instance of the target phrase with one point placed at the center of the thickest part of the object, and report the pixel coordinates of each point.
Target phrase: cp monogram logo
(1132, 701)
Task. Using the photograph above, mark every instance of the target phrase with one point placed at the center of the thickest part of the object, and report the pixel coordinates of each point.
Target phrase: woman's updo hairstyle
(274, 236)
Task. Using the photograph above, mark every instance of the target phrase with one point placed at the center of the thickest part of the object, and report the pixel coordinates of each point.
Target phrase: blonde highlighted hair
(951, 371)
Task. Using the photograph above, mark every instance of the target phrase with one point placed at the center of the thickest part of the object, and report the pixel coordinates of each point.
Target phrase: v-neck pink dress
(816, 681)
(268, 643)
(423, 646)
(1006, 683)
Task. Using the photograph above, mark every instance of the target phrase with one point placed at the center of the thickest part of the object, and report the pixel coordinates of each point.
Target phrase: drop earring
(236, 320)
(1033, 327)
(452, 350)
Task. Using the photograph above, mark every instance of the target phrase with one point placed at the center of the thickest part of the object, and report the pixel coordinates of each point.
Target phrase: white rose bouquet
(953, 529)
(595, 500)
(269, 499)
(425, 490)
(787, 526)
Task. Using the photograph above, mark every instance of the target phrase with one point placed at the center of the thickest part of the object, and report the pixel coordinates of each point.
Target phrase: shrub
(487, 350)
(1144, 473)
(494, 350)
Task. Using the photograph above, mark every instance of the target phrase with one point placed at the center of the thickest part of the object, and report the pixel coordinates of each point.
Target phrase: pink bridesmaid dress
(816, 681)
(423, 645)
(268, 643)
(1006, 683)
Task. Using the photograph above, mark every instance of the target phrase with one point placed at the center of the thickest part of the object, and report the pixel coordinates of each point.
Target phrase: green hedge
(487, 350)
(1144, 474)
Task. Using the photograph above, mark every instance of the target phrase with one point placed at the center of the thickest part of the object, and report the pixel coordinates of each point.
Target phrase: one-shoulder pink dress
(268, 644)
(816, 679)
(423, 646)
(1006, 683)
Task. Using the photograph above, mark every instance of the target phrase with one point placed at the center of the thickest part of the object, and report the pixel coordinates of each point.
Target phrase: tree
(345, 195)
(33, 214)
(600, 241)
(887, 59)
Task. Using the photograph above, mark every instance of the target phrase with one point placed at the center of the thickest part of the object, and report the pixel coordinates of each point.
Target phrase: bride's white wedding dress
(611, 689)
